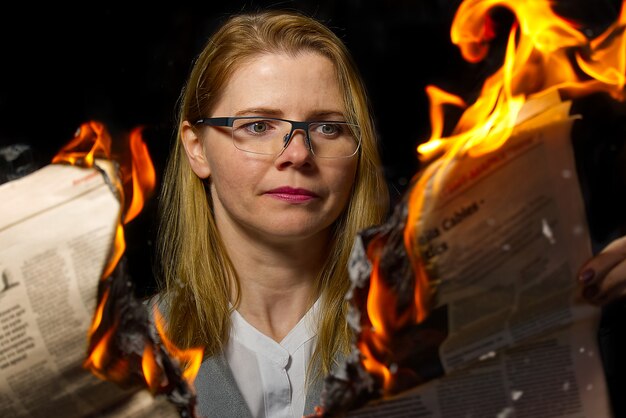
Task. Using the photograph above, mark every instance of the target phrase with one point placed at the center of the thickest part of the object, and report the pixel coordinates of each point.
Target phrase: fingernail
(586, 276)
(590, 292)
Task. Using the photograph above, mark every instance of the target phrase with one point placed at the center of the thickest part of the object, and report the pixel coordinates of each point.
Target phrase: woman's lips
(291, 194)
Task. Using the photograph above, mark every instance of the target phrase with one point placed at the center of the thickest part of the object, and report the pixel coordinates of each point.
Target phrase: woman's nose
(297, 150)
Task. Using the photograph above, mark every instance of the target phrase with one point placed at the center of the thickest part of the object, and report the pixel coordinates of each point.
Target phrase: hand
(603, 277)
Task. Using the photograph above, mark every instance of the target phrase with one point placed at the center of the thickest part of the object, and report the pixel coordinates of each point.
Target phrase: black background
(125, 66)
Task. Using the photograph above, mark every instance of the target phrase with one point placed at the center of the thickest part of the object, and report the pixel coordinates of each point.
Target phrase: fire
(143, 174)
(136, 178)
(192, 357)
(91, 141)
(544, 53)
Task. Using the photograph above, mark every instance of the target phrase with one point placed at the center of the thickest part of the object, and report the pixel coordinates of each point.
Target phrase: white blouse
(271, 375)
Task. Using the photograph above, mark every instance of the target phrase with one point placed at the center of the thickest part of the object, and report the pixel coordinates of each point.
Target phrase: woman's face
(275, 197)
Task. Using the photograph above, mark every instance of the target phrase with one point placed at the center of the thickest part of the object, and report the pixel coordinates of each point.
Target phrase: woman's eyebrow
(326, 114)
(259, 111)
(277, 113)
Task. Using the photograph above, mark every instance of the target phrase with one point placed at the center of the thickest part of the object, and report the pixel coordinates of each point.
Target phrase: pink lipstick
(290, 194)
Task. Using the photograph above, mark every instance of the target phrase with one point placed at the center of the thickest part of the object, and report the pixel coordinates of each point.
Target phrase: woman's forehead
(280, 80)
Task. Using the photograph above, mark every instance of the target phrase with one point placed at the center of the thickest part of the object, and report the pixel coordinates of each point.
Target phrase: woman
(274, 171)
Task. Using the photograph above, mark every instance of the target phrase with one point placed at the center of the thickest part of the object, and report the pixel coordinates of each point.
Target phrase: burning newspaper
(464, 303)
(69, 322)
(505, 333)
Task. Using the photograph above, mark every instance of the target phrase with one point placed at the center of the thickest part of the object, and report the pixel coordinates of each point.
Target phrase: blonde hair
(195, 269)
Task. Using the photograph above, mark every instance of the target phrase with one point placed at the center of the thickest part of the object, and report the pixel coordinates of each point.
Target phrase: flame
(97, 317)
(437, 99)
(97, 359)
(143, 174)
(537, 60)
(607, 60)
(191, 358)
(544, 53)
(151, 369)
(90, 141)
(137, 179)
(119, 246)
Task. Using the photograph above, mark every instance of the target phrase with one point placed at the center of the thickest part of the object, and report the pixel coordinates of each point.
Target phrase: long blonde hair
(195, 270)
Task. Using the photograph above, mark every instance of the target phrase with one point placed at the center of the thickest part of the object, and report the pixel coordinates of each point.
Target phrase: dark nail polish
(586, 276)
(590, 292)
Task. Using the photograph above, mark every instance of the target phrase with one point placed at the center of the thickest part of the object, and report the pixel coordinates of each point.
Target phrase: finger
(601, 296)
(618, 245)
(595, 269)
(609, 287)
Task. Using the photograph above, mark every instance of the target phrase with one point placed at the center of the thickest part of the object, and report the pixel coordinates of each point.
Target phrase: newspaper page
(56, 230)
(503, 237)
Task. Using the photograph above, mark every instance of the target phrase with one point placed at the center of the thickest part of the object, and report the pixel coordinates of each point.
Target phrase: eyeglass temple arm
(225, 121)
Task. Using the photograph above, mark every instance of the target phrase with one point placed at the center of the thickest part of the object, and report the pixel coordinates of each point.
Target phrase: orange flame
(119, 247)
(151, 370)
(143, 174)
(606, 61)
(537, 61)
(190, 358)
(90, 141)
(97, 358)
(97, 317)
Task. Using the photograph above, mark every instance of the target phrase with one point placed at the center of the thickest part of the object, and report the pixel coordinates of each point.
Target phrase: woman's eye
(259, 127)
(329, 129)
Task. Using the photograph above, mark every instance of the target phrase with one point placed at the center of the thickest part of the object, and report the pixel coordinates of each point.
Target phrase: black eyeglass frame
(228, 121)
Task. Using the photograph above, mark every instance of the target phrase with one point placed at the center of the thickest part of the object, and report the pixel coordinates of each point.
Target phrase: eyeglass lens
(270, 136)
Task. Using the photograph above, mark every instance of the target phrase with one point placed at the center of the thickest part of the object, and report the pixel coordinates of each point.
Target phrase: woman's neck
(277, 280)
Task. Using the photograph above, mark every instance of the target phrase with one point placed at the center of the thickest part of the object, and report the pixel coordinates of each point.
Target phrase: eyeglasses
(270, 136)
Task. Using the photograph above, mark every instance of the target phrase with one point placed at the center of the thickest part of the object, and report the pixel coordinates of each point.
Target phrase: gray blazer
(219, 397)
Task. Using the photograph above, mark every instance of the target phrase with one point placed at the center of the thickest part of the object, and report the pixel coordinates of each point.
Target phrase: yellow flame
(150, 368)
(96, 360)
(90, 141)
(536, 61)
(190, 358)
(607, 58)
